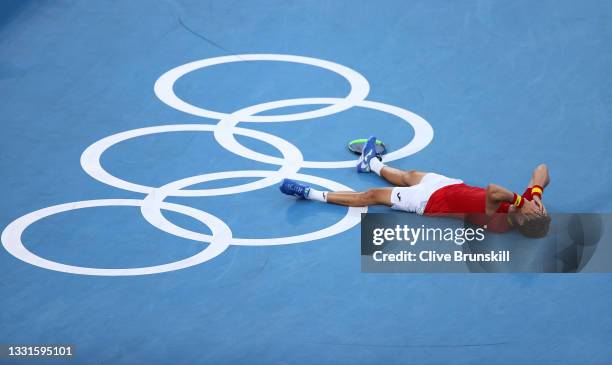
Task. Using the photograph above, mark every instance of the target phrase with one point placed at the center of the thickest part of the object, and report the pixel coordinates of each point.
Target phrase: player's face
(519, 218)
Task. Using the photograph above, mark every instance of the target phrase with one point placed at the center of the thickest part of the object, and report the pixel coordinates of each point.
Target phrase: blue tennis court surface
(135, 133)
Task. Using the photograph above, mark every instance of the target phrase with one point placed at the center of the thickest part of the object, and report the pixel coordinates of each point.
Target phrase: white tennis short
(414, 198)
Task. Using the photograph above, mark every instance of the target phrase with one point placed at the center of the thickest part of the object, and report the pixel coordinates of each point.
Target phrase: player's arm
(498, 194)
(540, 176)
(539, 179)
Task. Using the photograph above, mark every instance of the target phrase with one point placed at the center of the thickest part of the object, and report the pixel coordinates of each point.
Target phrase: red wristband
(518, 200)
(537, 190)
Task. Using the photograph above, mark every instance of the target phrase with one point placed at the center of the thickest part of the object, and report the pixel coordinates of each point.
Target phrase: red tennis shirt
(469, 203)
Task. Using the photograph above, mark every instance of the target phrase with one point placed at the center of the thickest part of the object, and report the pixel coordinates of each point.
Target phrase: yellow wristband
(518, 200)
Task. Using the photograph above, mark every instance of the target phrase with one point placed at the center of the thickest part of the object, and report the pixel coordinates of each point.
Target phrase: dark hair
(535, 227)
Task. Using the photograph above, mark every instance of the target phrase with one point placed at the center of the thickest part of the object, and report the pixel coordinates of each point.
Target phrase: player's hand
(530, 209)
(538, 201)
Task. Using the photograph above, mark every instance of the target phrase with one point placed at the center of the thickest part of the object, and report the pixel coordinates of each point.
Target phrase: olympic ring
(151, 212)
(164, 87)
(224, 132)
(219, 242)
(423, 133)
(90, 159)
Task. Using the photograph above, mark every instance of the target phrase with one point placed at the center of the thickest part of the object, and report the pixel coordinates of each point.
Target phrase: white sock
(376, 165)
(317, 195)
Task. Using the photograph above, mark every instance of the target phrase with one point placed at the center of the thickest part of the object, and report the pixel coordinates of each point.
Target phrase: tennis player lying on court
(494, 207)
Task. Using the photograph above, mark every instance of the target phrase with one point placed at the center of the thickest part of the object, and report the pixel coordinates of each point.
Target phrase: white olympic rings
(224, 131)
(90, 159)
(152, 212)
(11, 238)
(423, 133)
(164, 87)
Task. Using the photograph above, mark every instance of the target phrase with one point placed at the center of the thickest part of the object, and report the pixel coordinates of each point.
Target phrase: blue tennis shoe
(291, 187)
(369, 152)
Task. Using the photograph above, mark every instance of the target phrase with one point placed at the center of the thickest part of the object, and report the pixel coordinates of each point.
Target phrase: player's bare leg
(368, 161)
(380, 196)
(371, 161)
(399, 177)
